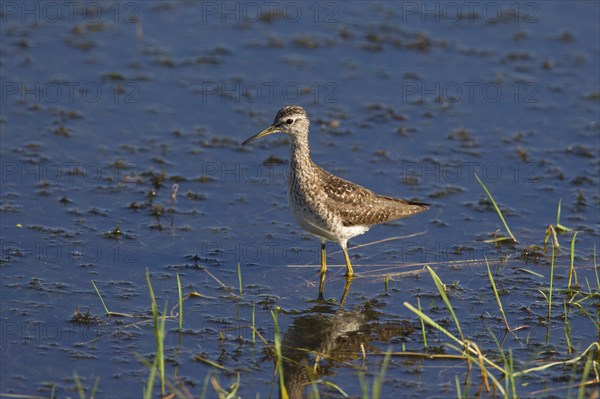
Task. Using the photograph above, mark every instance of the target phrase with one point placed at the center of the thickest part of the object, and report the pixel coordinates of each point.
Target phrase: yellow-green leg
(349, 274)
(321, 287)
(323, 259)
(349, 271)
(323, 271)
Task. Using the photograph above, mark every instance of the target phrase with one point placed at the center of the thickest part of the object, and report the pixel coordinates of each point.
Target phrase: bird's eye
(289, 121)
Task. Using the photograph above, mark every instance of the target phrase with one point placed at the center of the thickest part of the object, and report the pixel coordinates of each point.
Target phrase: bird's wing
(359, 206)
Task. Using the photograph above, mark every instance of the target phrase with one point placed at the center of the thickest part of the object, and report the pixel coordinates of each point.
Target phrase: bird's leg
(321, 287)
(349, 271)
(322, 271)
(323, 259)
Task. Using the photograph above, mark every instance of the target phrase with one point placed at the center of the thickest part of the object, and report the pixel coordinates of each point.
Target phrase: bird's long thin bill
(270, 130)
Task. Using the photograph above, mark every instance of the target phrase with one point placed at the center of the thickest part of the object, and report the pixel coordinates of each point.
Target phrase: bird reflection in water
(333, 334)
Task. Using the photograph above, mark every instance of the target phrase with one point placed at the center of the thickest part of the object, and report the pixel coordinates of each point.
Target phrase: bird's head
(291, 120)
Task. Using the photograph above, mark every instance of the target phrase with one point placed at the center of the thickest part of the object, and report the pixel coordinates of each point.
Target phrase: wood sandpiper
(327, 206)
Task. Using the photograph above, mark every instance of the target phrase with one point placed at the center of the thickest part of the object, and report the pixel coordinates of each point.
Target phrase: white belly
(327, 227)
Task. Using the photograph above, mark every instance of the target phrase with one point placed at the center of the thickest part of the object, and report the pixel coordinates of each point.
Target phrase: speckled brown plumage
(357, 205)
(325, 205)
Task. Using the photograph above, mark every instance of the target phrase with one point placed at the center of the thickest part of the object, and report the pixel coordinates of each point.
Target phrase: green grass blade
(423, 332)
(157, 333)
(572, 268)
(79, 385)
(496, 295)
(567, 328)
(151, 379)
(108, 312)
(234, 389)
(550, 289)
(432, 323)
(497, 208)
(282, 389)
(180, 303)
(253, 322)
(596, 269)
(333, 386)
(511, 375)
(240, 278)
(205, 386)
(161, 349)
(571, 381)
(95, 388)
(500, 350)
(386, 284)
(101, 300)
(440, 286)
(363, 385)
(593, 346)
(315, 389)
(458, 392)
(378, 380)
(530, 272)
(584, 376)
(152, 297)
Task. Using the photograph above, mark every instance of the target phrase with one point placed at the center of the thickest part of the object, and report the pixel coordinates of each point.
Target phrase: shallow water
(105, 108)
